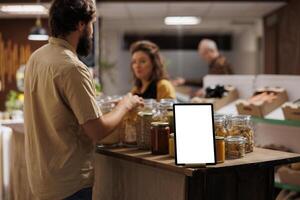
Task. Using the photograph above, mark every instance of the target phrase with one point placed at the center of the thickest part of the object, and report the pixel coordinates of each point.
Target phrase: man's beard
(84, 44)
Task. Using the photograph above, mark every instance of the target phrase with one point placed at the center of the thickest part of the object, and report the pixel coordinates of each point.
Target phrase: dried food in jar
(235, 147)
(241, 126)
(144, 130)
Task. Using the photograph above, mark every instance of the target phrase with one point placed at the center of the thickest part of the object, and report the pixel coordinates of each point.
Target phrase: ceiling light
(38, 33)
(24, 9)
(182, 20)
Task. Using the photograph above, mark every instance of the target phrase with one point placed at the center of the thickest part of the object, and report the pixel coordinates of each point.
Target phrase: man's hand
(130, 101)
(99, 128)
(178, 81)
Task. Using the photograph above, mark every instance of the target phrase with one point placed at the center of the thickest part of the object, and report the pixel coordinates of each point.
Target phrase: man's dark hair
(64, 15)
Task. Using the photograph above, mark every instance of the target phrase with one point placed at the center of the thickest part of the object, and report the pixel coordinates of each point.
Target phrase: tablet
(194, 134)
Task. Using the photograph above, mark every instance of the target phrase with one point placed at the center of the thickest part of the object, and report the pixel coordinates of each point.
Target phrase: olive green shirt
(59, 97)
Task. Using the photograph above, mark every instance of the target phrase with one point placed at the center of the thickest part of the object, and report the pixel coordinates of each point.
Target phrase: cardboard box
(291, 111)
(289, 176)
(262, 108)
(220, 102)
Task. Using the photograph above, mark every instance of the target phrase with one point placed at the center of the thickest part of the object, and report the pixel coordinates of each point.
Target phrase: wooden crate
(261, 109)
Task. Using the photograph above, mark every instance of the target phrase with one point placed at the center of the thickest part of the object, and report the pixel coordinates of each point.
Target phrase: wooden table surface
(260, 157)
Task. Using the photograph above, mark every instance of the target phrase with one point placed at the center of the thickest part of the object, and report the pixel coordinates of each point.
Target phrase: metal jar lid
(159, 124)
(145, 113)
(236, 139)
(219, 138)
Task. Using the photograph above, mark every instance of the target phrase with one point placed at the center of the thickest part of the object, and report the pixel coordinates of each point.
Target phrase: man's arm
(99, 128)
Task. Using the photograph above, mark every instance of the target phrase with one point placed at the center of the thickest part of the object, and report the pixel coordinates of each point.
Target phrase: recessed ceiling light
(24, 9)
(182, 20)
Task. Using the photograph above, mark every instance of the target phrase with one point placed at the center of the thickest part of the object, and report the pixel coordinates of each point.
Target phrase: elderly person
(150, 77)
(218, 64)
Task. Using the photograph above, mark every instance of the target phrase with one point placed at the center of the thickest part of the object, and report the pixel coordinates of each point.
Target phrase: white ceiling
(216, 16)
(148, 17)
(28, 15)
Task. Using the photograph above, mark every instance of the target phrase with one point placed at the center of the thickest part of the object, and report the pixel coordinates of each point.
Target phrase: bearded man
(62, 119)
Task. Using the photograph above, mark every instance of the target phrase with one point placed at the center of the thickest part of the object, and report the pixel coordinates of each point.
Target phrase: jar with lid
(160, 138)
(220, 149)
(113, 139)
(149, 105)
(240, 125)
(220, 125)
(235, 147)
(165, 112)
(144, 120)
(129, 137)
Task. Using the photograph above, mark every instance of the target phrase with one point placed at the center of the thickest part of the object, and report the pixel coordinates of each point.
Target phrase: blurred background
(256, 37)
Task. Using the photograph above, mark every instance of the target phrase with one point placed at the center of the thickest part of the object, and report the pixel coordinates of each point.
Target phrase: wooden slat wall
(282, 40)
(16, 31)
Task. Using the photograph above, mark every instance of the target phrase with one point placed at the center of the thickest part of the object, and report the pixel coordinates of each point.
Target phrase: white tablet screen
(194, 134)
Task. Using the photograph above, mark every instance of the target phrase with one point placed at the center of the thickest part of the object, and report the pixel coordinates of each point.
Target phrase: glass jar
(165, 112)
(220, 125)
(149, 105)
(160, 132)
(235, 147)
(241, 125)
(172, 145)
(144, 130)
(144, 124)
(220, 149)
(113, 139)
(129, 137)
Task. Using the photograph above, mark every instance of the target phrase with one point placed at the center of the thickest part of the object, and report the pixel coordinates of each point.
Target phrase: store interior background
(265, 36)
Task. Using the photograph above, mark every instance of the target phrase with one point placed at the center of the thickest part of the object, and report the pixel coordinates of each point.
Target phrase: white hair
(207, 44)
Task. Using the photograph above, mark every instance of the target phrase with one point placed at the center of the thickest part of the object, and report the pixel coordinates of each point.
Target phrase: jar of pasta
(240, 125)
(129, 137)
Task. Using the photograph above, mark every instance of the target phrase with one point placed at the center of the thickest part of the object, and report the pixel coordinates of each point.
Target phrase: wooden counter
(129, 173)
(132, 174)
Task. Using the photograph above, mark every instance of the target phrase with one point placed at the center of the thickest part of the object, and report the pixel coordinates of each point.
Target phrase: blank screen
(194, 134)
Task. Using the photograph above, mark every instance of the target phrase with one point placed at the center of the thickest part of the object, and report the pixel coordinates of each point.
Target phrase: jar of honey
(220, 149)
(160, 132)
